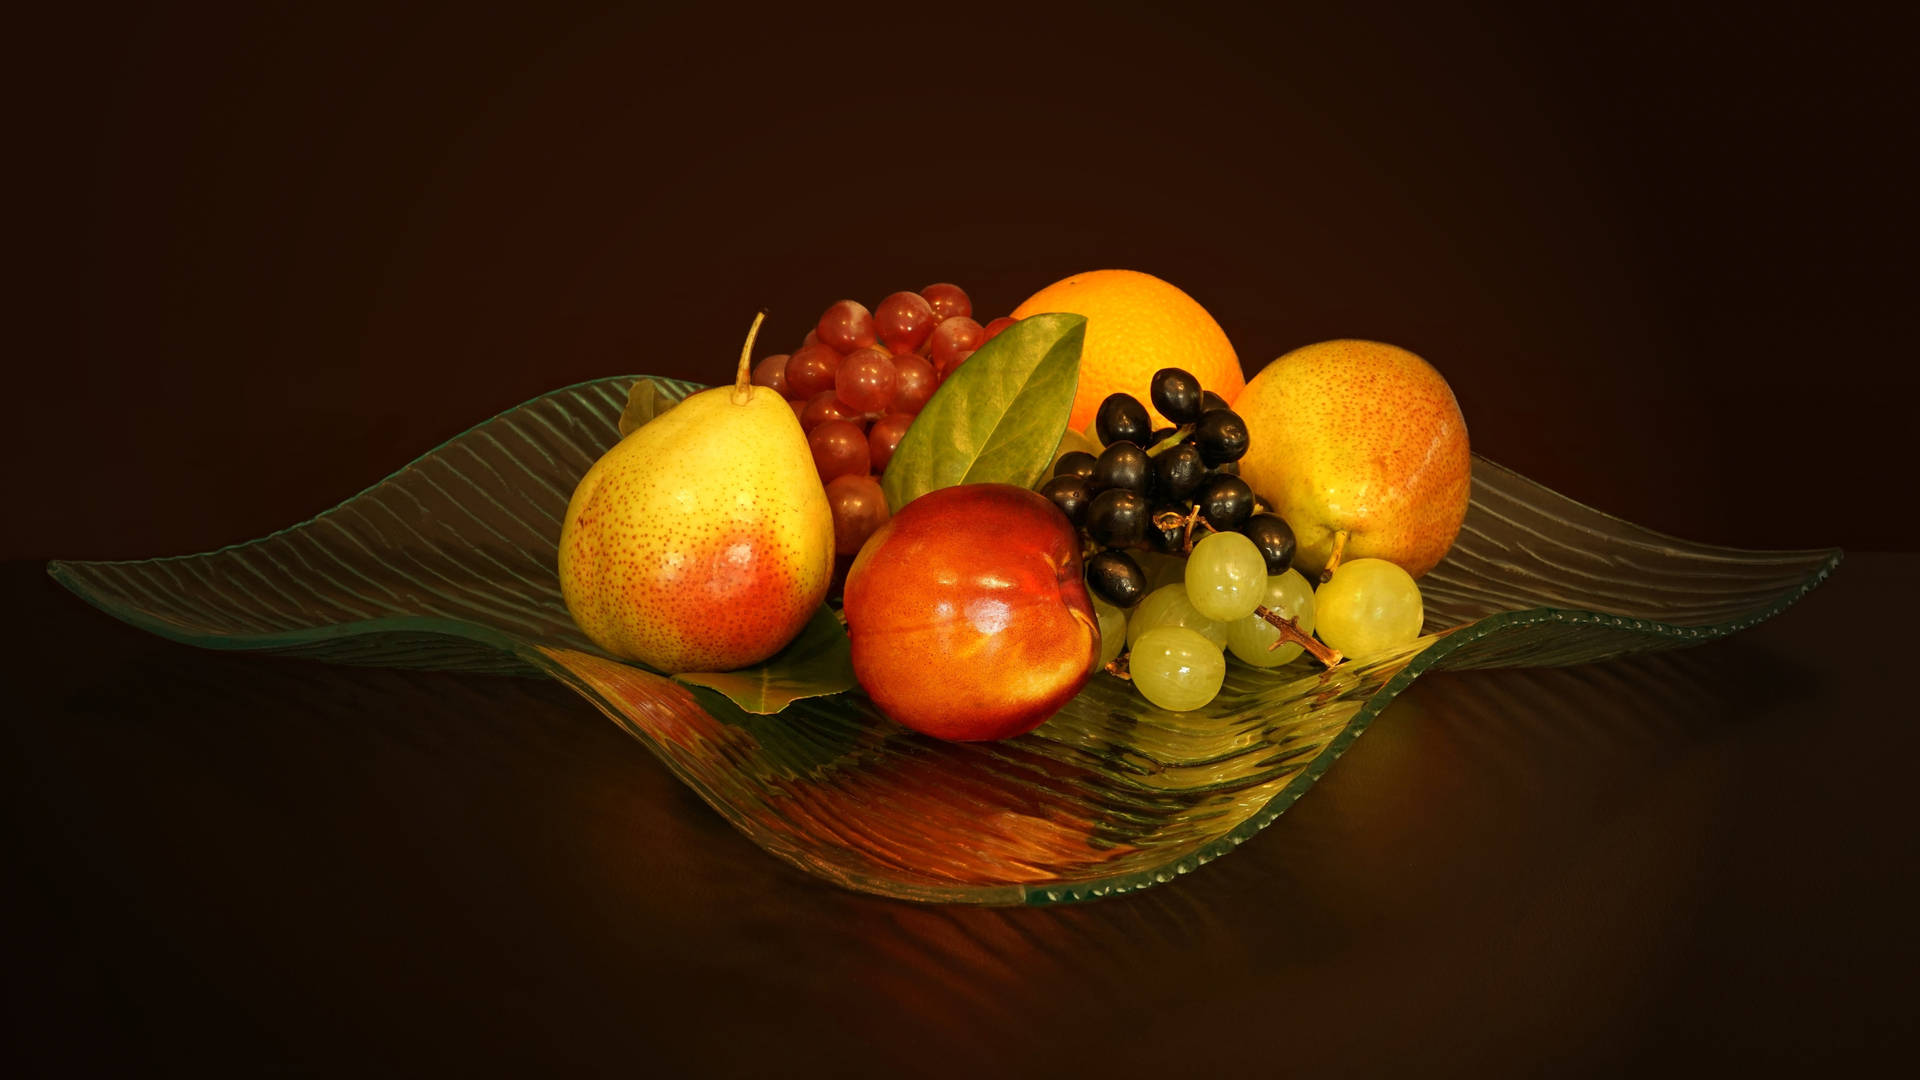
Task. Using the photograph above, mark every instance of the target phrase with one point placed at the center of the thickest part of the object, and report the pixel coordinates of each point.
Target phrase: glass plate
(449, 564)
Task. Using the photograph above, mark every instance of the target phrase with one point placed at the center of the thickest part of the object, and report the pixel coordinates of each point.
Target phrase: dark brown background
(1665, 260)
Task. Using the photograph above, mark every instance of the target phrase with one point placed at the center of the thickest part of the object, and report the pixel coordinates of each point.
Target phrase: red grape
(811, 369)
(957, 359)
(772, 373)
(866, 381)
(904, 321)
(955, 335)
(813, 335)
(826, 405)
(885, 437)
(859, 509)
(947, 300)
(992, 329)
(846, 326)
(839, 449)
(915, 380)
(799, 411)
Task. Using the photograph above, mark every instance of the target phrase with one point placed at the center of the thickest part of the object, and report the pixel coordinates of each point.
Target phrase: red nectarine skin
(968, 616)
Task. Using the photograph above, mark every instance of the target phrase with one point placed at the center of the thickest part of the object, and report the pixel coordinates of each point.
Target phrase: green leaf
(644, 402)
(1000, 416)
(816, 663)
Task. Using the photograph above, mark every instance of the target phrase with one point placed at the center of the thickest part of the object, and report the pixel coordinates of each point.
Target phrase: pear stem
(743, 379)
(1290, 632)
(1333, 560)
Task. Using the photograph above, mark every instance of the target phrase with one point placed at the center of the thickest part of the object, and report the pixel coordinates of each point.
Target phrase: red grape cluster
(857, 381)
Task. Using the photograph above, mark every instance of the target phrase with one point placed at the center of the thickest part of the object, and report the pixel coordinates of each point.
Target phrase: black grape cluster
(1162, 490)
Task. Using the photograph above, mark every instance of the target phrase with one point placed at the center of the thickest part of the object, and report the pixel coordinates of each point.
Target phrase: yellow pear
(703, 540)
(1361, 447)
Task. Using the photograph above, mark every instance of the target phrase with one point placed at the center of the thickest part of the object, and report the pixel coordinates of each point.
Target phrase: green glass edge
(401, 624)
(530, 661)
(682, 386)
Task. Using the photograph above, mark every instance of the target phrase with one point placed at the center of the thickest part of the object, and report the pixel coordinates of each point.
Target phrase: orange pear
(1361, 447)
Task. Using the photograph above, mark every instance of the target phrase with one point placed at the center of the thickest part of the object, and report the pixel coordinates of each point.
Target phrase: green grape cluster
(1177, 650)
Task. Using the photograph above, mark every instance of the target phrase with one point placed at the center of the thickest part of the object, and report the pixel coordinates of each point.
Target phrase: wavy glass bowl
(449, 564)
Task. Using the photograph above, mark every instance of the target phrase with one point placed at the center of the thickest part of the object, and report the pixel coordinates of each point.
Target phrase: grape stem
(1170, 441)
(1195, 518)
(1117, 667)
(743, 379)
(1171, 518)
(1290, 632)
(1333, 560)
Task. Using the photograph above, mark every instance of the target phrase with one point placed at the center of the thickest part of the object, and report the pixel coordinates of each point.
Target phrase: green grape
(1168, 606)
(1226, 576)
(1369, 606)
(1289, 596)
(1113, 629)
(1162, 569)
(1176, 668)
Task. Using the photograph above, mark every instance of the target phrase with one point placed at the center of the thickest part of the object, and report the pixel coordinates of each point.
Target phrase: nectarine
(968, 616)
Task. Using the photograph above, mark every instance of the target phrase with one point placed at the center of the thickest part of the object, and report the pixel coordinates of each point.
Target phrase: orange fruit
(1136, 325)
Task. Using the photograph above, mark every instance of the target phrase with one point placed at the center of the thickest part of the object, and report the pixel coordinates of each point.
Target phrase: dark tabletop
(240, 862)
